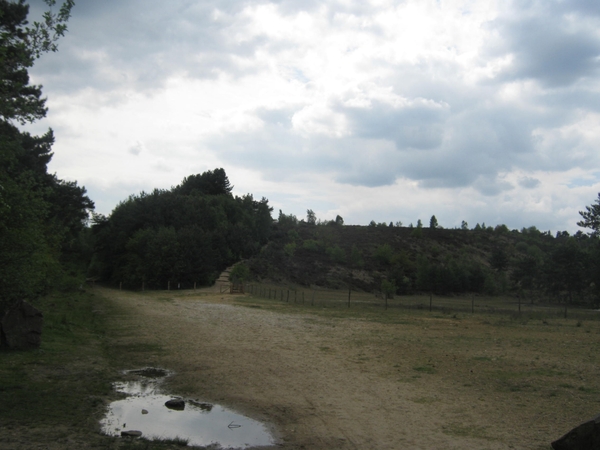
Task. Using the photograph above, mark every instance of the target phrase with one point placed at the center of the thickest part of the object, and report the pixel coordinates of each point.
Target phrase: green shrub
(290, 249)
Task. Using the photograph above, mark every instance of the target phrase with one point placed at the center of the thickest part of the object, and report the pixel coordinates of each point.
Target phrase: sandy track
(320, 383)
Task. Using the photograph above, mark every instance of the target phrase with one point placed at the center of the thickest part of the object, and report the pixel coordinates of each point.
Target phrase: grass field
(535, 367)
(528, 307)
(54, 397)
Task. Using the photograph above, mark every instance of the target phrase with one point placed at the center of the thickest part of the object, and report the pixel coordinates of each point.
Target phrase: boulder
(21, 327)
(583, 437)
(177, 404)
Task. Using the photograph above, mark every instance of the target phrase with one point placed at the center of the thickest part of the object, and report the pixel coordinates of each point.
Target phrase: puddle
(203, 424)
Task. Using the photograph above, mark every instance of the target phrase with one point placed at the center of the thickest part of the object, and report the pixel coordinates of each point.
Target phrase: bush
(336, 254)
(384, 254)
(311, 245)
(290, 249)
(239, 273)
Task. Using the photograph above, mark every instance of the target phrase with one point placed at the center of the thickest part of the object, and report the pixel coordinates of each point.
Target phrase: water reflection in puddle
(202, 423)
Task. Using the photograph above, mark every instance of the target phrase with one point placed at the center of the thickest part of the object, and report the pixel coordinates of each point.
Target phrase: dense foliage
(182, 236)
(406, 260)
(41, 216)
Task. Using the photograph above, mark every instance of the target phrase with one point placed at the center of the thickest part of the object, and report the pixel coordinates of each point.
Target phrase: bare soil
(412, 381)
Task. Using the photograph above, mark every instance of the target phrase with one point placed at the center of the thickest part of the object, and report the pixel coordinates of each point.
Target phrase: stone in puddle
(131, 433)
(584, 437)
(177, 404)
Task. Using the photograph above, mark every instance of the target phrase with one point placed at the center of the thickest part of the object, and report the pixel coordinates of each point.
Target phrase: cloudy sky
(484, 111)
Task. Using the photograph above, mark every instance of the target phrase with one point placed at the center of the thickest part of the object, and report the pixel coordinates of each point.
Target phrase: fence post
(143, 286)
(430, 302)
(349, 291)
(472, 304)
(169, 285)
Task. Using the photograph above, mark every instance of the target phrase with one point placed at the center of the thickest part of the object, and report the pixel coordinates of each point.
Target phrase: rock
(21, 327)
(144, 411)
(177, 404)
(131, 433)
(584, 437)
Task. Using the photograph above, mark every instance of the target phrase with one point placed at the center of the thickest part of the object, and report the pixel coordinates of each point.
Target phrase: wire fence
(326, 298)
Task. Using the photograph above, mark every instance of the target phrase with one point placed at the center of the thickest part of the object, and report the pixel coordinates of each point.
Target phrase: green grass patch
(57, 394)
(587, 390)
(63, 380)
(461, 430)
(425, 369)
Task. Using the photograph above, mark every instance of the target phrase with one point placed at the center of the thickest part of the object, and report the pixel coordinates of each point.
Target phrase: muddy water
(201, 423)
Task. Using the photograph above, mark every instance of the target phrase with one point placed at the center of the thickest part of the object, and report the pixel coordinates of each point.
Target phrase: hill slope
(443, 261)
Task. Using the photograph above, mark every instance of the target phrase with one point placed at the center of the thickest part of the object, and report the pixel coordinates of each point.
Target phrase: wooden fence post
(349, 291)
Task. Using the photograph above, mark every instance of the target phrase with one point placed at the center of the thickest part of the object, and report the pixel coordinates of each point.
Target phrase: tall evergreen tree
(40, 215)
(591, 217)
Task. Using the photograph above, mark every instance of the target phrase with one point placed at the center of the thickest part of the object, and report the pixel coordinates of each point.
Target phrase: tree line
(179, 237)
(42, 218)
(407, 260)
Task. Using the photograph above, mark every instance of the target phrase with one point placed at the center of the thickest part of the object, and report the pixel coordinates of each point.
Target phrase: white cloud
(485, 111)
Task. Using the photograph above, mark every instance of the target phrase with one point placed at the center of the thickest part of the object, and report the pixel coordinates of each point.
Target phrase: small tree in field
(433, 223)
(389, 289)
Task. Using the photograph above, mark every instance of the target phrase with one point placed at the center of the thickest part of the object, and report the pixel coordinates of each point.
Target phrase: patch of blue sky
(585, 181)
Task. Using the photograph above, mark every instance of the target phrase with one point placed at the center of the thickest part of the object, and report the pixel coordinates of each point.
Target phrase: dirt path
(320, 383)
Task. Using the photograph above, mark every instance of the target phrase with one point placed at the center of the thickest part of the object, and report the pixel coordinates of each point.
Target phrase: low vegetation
(56, 395)
(393, 260)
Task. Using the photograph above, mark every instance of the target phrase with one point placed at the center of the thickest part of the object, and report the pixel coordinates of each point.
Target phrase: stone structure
(21, 327)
